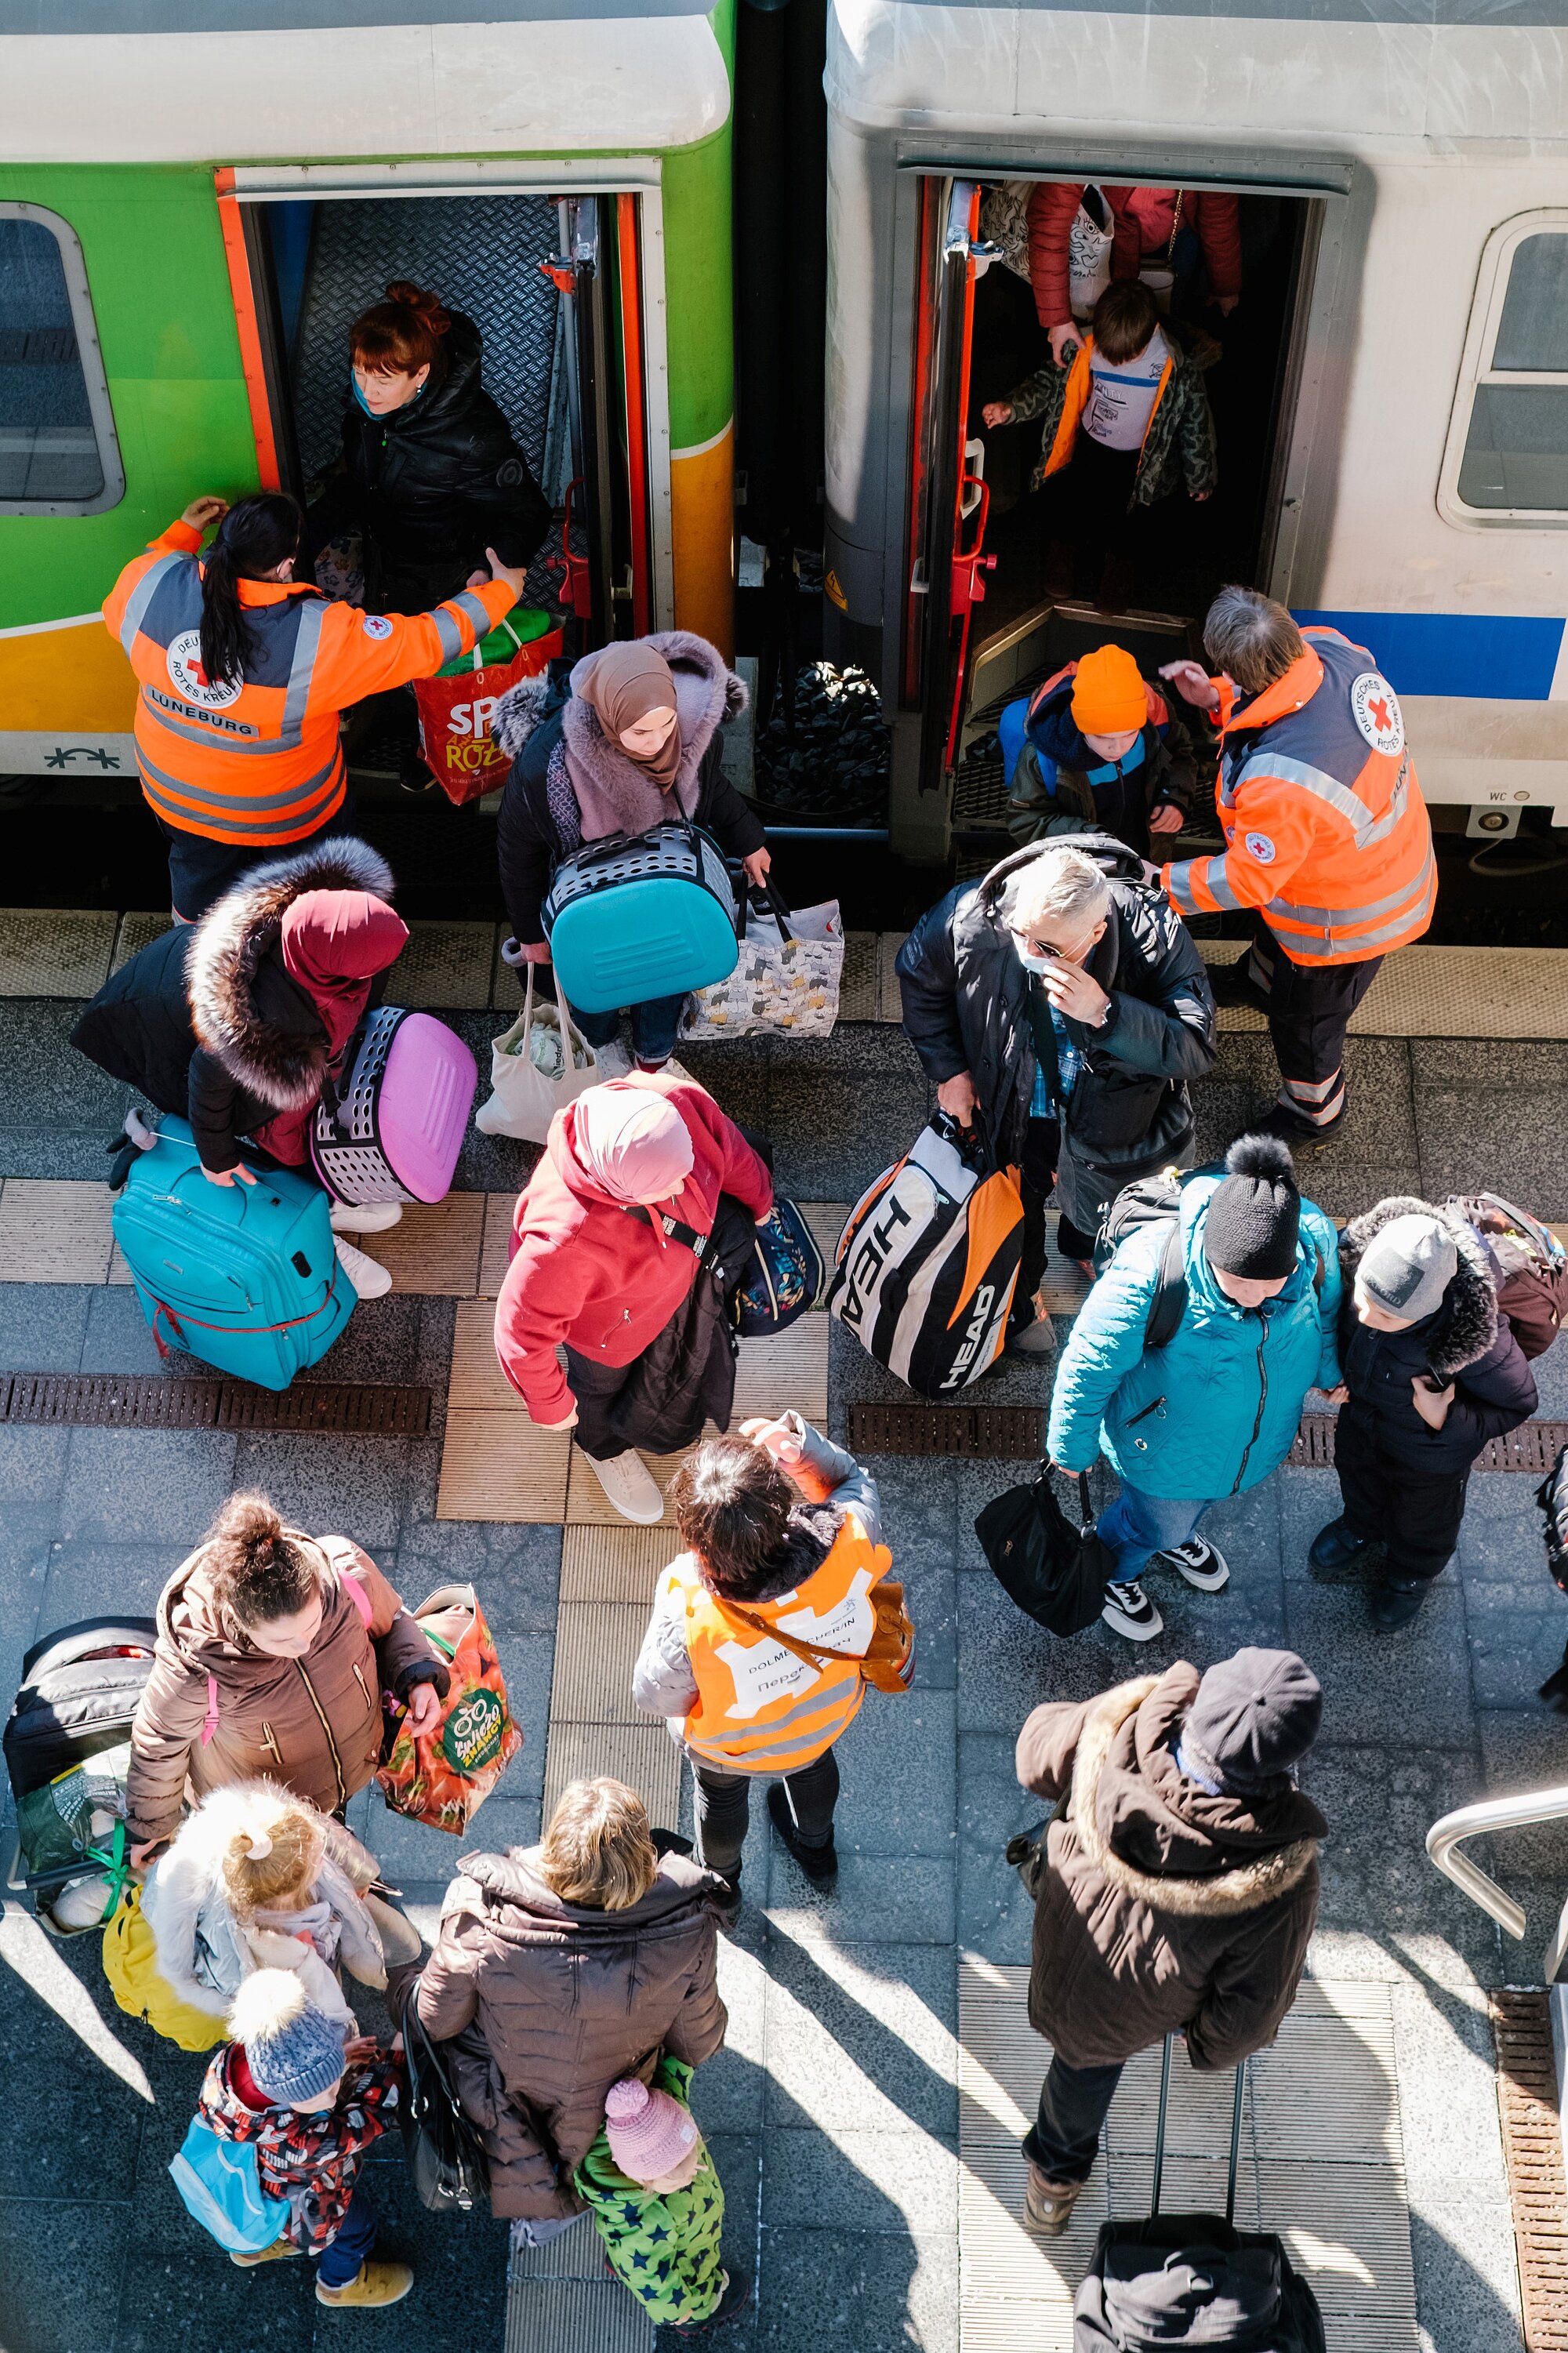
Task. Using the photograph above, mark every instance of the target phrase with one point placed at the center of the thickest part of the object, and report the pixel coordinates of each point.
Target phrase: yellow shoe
(377, 2284)
(271, 2255)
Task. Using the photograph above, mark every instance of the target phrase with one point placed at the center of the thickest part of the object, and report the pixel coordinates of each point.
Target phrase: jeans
(654, 1024)
(1074, 2104)
(723, 1805)
(1137, 1525)
(342, 2256)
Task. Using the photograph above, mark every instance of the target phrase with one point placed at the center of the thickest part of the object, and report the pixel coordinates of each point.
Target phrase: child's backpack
(393, 1129)
(1157, 1201)
(641, 915)
(244, 1276)
(786, 1277)
(1529, 1261)
(220, 2182)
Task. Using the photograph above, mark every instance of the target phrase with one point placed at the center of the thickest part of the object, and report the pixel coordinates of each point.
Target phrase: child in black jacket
(1432, 1373)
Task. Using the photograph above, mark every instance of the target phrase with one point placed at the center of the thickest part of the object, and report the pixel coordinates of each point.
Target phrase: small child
(658, 2203)
(1127, 422)
(312, 2100)
(1098, 747)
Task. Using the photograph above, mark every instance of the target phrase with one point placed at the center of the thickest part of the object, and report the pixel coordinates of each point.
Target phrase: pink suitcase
(394, 1128)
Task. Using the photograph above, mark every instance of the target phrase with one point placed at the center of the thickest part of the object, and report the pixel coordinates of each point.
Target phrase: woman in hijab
(593, 1265)
(236, 1022)
(635, 743)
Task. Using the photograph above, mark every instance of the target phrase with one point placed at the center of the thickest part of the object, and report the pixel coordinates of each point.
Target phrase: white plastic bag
(789, 984)
(542, 1062)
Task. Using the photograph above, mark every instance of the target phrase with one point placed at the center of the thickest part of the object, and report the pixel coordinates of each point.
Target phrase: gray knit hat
(1253, 1220)
(1253, 1717)
(1407, 1267)
(294, 2050)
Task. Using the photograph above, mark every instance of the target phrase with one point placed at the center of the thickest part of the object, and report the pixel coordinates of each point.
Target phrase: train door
(554, 285)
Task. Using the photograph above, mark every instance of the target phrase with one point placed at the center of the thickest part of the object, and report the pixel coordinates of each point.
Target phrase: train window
(58, 454)
(1508, 449)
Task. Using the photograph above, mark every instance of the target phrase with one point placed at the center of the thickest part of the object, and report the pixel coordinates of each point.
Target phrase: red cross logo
(1379, 711)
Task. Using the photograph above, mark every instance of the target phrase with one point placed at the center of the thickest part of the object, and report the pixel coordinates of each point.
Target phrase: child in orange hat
(1098, 748)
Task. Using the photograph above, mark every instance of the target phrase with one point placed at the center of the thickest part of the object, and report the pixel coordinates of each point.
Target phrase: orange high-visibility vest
(1326, 831)
(258, 760)
(760, 1709)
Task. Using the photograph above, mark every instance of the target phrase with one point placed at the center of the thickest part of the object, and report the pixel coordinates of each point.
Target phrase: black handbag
(1055, 1572)
(446, 2155)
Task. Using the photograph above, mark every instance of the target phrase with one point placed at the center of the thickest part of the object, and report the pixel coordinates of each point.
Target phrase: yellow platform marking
(858, 989)
(618, 1564)
(137, 931)
(434, 1250)
(1423, 992)
(643, 1755)
(477, 1381)
(596, 1646)
(495, 1465)
(494, 1259)
(1065, 1286)
(53, 952)
(588, 1507)
(889, 1000)
(1322, 2163)
(54, 1231)
(788, 1369)
(827, 1219)
(444, 964)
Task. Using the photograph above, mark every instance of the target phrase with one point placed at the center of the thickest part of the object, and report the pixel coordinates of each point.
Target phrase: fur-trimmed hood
(204, 1949)
(1128, 1791)
(268, 1039)
(1465, 1326)
(707, 694)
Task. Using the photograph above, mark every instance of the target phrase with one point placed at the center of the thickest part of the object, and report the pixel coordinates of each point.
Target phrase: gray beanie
(294, 2051)
(1253, 1717)
(1407, 1267)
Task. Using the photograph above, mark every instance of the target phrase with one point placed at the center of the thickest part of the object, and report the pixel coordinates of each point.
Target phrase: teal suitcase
(244, 1276)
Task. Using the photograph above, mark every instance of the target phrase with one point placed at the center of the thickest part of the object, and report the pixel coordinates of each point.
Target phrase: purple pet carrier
(393, 1130)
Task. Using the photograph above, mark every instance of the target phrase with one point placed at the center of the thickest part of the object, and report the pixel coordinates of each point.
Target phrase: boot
(369, 1279)
(374, 2284)
(1395, 1600)
(1339, 1556)
(1048, 2205)
(736, 2295)
(820, 1863)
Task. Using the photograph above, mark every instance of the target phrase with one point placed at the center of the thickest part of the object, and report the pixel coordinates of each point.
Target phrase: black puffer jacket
(966, 1007)
(529, 723)
(432, 486)
(1465, 1342)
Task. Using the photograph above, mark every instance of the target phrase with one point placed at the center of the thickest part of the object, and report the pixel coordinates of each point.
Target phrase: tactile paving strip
(1444, 992)
(55, 951)
(1322, 2163)
(1013, 1433)
(137, 931)
(444, 963)
(1532, 2152)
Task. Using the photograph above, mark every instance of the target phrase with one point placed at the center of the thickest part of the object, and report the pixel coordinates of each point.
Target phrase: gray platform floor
(834, 2110)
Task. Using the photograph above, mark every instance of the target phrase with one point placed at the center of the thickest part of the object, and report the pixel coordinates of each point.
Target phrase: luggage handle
(1159, 2132)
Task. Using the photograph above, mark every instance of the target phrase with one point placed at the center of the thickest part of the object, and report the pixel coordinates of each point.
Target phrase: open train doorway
(1013, 574)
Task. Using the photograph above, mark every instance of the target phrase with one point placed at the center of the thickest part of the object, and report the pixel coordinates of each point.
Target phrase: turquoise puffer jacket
(1217, 1410)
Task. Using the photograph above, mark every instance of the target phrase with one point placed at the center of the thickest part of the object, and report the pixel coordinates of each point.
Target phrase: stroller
(67, 1749)
(1194, 2279)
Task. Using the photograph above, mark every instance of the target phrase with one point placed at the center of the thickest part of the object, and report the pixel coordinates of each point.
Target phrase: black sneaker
(726, 1900)
(820, 1863)
(1395, 1602)
(1300, 1135)
(1129, 1610)
(1200, 1562)
(1339, 1556)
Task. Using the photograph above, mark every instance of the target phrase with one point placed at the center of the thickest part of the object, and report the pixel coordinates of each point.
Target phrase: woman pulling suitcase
(601, 1262)
(237, 1023)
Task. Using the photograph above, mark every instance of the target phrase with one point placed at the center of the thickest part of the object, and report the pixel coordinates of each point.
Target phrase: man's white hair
(1060, 886)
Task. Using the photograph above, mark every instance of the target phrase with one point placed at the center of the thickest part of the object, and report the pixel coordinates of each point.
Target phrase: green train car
(191, 213)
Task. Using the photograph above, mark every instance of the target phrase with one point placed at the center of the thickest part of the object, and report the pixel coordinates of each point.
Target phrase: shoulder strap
(686, 1235)
(812, 1652)
(1320, 1272)
(356, 1593)
(1169, 1304)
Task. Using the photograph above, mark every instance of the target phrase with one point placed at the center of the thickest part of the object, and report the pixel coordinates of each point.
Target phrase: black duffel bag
(446, 2155)
(1055, 1572)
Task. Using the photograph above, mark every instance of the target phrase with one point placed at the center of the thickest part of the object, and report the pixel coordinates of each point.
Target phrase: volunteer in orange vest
(243, 673)
(1326, 838)
(782, 1536)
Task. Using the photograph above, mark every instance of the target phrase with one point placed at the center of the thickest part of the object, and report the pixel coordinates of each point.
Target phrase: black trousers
(596, 1387)
(202, 872)
(1416, 1513)
(722, 1807)
(1042, 1142)
(1073, 2104)
(1310, 1007)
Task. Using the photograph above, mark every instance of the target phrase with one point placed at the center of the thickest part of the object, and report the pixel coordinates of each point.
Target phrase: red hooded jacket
(1211, 212)
(584, 1271)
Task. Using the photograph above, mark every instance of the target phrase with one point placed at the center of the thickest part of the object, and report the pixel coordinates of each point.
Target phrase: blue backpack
(787, 1276)
(638, 916)
(221, 2185)
(244, 1276)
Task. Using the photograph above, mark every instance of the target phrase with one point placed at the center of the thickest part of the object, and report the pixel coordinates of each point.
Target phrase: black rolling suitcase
(1194, 2279)
(77, 1700)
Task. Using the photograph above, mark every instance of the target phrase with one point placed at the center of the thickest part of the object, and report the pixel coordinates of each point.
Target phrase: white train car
(1405, 173)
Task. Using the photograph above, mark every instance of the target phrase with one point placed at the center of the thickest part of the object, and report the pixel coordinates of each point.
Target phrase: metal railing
(1446, 1837)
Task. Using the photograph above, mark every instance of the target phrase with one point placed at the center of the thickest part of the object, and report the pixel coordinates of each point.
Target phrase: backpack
(446, 2155)
(1157, 1201)
(641, 915)
(220, 2182)
(391, 1127)
(1529, 1262)
(786, 1278)
(927, 1263)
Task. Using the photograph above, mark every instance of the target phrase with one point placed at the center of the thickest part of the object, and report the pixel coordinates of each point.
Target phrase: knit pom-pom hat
(1253, 1220)
(650, 2133)
(294, 2051)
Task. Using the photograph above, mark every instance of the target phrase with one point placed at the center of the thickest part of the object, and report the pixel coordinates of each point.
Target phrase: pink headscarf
(632, 1141)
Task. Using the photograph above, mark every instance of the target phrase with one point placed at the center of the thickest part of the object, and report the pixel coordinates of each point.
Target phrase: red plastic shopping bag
(444, 1777)
(455, 706)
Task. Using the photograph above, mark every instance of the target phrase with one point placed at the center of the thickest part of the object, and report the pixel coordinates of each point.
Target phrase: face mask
(1035, 964)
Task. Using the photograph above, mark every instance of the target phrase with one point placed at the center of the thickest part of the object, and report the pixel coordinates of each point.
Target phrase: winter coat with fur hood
(1465, 1342)
(1159, 1908)
(546, 734)
(565, 2002)
(207, 1024)
(205, 1947)
(215, 1709)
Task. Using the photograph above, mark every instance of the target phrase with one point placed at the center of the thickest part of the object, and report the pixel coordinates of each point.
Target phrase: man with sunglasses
(1060, 1008)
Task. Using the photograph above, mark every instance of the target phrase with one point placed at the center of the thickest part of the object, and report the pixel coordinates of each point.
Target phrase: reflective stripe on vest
(142, 595)
(189, 804)
(1403, 898)
(1366, 827)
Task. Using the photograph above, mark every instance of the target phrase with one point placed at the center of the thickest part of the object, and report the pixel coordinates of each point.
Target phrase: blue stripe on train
(1500, 657)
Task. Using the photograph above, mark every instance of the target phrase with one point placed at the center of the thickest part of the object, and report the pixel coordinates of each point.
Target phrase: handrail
(1444, 1838)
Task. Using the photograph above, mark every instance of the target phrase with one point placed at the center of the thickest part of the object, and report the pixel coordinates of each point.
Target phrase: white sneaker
(365, 1217)
(371, 1280)
(613, 1061)
(630, 1486)
(1129, 1610)
(1200, 1562)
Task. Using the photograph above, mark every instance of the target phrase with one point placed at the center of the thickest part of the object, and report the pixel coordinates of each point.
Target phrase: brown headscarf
(622, 683)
